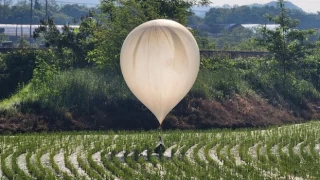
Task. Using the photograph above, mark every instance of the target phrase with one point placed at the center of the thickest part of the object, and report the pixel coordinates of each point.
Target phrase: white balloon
(160, 61)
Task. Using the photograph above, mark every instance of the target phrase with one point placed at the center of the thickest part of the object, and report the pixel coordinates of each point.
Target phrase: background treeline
(216, 17)
(20, 12)
(76, 83)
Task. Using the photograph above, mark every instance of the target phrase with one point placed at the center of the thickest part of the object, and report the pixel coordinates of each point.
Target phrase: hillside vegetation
(76, 83)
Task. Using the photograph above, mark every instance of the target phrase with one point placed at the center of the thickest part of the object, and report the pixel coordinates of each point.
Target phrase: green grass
(23, 94)
(86, 89)
(79, 90)
(266, 165)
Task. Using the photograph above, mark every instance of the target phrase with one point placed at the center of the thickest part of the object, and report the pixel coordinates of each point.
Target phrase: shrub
(81, 89)
(15, 68)
(219, 79)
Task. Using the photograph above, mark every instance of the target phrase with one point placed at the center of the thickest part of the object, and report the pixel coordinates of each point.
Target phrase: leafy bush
(219, 79)
(266, 79)
(15, 68)
(81, 89)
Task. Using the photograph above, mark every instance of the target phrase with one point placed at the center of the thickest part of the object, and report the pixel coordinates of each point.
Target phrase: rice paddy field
(288, 152)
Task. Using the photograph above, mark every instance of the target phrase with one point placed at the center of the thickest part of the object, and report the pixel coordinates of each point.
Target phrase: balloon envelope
(160, 61)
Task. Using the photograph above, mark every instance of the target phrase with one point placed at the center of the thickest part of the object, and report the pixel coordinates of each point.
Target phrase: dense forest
(76, 83)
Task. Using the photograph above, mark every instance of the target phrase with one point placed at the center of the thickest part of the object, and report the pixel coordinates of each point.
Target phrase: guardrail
(233, 54)
(204, 53)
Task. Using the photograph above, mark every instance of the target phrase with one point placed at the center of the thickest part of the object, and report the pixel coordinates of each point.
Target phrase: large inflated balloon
(160, 61)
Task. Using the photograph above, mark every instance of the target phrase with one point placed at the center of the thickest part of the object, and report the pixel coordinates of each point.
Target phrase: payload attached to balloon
(160, 61)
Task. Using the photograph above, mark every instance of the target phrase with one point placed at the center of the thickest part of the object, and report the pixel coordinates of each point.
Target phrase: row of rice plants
(284, 152)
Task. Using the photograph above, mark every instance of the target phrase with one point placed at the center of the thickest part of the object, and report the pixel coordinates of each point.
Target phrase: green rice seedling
(70, 166)
(200, 164)
(272, 158)
(34, 170)
(7, 171)
(19, 174)
(151, 158)
(219, 148)
(49, 173)
(178, 163)
(188, 167)
(293, 160)
(56, 167)
(214, 167)
(304, 151)
(275, 153)
(108, 164)
(86, 167)
(127, 172)
(137, 167)
(95, 166)
(197, 157)
(283, 166)
(315, 158)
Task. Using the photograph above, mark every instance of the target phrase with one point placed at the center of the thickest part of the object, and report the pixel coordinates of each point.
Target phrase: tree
(37, 5)
(74, 10)
(231, 39)
(4, 8)
(289, 45)
(22, 43)
(3, 37)
(72, 44)
(119, 18)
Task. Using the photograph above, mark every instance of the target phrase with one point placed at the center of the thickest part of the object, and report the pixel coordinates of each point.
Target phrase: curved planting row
(290, 152)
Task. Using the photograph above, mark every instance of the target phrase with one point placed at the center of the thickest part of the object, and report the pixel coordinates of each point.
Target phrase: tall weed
(82, 89)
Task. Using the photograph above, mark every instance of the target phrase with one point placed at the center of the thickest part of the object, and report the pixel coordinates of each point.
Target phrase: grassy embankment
(227, 93)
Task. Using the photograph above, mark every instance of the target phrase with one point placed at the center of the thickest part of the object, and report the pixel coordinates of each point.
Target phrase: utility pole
(2, 13)
(46, 9)
(31, 14)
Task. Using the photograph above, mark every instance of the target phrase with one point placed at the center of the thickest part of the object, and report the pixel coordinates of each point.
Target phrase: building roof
(230, 27)
(254, 27)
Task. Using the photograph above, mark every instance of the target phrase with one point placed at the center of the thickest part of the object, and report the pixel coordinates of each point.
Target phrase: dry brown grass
(236, 112)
